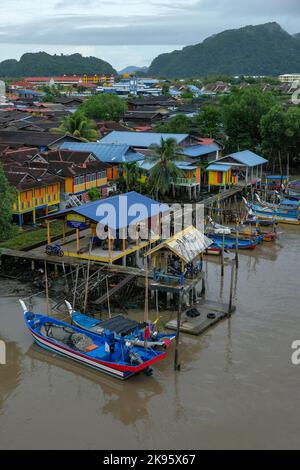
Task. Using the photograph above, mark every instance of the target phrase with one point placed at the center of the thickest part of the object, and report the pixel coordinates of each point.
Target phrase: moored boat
(104, 353)
(144, 335)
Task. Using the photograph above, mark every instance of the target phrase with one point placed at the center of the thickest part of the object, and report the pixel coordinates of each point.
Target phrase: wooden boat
(281, 219)
(265, 213)
(284, 205)
(230, 242)
(144, 336)
(104, 353)
(214, 251)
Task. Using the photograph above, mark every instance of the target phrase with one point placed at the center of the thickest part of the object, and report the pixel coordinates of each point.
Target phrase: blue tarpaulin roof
(200, 150)
(107, 153)
(215, 167)
(140, 139)
(118, 212)
(248, 158)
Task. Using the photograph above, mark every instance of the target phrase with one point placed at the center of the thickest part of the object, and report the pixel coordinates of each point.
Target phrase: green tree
(79, 126)
(209, 121)
(242, 112)
(7, 199)
(106, 107)
(94, 194)
(164, 171)
(132, 173)
(280, 130)
(179, 124)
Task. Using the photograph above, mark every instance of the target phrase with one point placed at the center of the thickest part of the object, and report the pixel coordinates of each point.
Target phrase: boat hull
(120, 370)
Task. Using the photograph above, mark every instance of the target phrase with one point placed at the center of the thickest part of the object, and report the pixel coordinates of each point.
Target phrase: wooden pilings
(177, 365)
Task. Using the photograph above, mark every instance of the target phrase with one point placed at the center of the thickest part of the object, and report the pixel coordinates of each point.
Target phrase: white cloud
(131, 31)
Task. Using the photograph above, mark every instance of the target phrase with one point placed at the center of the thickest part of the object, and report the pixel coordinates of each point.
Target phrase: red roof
(206, 141)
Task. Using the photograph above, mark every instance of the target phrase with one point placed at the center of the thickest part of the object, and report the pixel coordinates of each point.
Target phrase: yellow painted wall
(36, 197)
(213, 178)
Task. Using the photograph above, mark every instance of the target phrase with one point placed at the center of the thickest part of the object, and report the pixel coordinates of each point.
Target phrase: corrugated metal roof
(199, 150)
(248, 158)
(108, 153)
(215, 167)
(187, 244)
(141, 139)
(148, 165)
(118, 212)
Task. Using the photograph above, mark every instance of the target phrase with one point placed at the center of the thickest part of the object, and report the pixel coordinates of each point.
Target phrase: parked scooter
(54, 250)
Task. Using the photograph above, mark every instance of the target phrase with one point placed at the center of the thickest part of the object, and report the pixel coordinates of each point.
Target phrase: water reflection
(126, 401)
(11, 373)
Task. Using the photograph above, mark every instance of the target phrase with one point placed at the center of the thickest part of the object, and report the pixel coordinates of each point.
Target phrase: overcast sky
(129, 32)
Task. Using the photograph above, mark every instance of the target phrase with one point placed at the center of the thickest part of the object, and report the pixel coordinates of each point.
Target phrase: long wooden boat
(144, 335)
(230, 242)
(104, 353)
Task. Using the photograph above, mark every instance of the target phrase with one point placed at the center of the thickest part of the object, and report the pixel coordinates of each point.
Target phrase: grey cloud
(192, 25)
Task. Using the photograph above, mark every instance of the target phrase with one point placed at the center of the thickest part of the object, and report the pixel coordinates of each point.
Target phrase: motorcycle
(54, 250)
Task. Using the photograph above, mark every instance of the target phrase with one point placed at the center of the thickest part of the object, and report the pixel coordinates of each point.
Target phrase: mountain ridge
(42, 63)
(251, 50)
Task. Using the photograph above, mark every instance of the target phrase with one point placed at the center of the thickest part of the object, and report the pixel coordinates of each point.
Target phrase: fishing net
(81, 341)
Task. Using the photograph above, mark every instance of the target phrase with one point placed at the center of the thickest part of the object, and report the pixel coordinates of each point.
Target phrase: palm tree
(79, 126)
(131, 175)
(164, 171)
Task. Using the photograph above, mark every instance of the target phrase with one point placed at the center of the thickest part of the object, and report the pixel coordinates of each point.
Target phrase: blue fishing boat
(230, 242)
(267, 213)
(104, 352)
(144, 336)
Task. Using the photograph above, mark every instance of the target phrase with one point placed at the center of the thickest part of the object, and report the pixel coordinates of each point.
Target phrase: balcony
(185, 181)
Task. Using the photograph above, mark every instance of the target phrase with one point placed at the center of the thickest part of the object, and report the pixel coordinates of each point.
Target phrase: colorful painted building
(37, 195)
(220, 175)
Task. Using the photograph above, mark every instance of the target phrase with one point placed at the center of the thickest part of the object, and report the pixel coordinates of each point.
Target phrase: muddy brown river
(237, 387)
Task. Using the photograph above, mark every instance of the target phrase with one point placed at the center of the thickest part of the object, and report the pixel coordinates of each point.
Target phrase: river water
(237, 387)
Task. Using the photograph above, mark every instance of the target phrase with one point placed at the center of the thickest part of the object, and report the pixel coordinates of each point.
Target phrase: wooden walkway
(222, 196)
(114, 290)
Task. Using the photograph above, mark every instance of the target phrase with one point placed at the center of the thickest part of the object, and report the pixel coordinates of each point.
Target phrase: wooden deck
(198, 325)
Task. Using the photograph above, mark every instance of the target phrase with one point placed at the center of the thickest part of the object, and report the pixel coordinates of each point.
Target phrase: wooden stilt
(77, 240)
(177, 365)
(48, 233)
(108, 298)
(47, 289)
(222, 258)
(75, 286)
(237, 247)
(231, 290)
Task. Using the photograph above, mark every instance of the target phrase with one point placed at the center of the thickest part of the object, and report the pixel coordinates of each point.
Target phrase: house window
(101, 175)
(78, 180)
(54, 197)
(91, 177)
